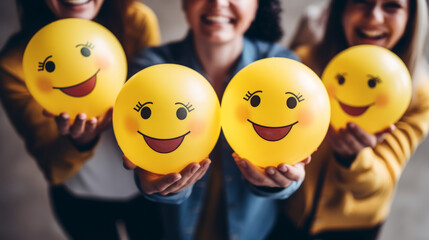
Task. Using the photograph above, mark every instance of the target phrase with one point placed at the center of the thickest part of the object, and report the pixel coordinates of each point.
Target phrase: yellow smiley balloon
(165, 117)
(368, 85)
(74, 66)
(275, 110)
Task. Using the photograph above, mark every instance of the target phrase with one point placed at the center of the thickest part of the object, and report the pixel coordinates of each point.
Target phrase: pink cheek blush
(197, 126)
(242, 113)
(305, 117)
(103, 62)
(131, 124)
(382, 100)
(44, 85)
(331, 90)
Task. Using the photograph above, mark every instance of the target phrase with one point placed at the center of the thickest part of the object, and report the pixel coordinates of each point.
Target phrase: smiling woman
(90, 192)
(236, 200)
(350, 185)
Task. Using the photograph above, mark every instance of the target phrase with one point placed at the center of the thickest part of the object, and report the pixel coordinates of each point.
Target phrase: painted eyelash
(249, 95)
(87, 44)
(138, 106)
(188, 106)
(297, 97)
(377, 79)
(42, 64)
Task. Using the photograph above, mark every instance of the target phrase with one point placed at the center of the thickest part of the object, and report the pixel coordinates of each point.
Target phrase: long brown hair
(35, 14)
(409, 48)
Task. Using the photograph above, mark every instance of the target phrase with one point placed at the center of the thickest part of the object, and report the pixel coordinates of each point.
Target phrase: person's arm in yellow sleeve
(377, 168)
(58, 158)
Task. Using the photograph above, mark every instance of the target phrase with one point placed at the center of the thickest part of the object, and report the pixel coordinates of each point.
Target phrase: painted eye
(181, 113)
(50, 66)
(145, 112)
(372, 83)
(340, 79)
(255, 101)
(85, 52)
(291, 102)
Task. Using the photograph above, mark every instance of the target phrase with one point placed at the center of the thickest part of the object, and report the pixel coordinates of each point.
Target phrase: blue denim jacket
(251, 211)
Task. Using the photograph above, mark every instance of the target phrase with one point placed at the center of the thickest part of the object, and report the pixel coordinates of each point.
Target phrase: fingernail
(243, 164)
(270, 171)
(176, 177)
(195, 168)
(283, 168)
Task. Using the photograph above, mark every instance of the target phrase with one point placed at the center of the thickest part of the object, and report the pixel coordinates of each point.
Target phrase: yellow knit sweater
(54, 153)
(360, 196)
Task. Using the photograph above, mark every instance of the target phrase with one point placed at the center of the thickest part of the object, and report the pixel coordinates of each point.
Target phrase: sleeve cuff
(173, 198)
(275, 193)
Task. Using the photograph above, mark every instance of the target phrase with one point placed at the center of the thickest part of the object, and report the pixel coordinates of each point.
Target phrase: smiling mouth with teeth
(371, 34)
(216, 19)
(74, 2)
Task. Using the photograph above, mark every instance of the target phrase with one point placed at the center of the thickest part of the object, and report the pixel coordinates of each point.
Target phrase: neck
(218, 60)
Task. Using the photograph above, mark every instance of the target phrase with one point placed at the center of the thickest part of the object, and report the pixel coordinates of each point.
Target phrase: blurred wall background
(24, 206)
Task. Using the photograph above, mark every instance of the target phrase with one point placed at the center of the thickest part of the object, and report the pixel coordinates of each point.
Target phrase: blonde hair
(410, 48)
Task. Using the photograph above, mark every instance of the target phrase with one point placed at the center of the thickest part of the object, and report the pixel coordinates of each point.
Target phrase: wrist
(344, 160)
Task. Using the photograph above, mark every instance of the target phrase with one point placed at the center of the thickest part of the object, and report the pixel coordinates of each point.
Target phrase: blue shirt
(250, 210)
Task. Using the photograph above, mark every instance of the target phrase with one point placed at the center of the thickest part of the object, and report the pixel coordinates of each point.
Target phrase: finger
(349, 144)
(91, 126)
(307, 160)
(78, 126)
(363, 137)
(106, 120)
(63, 123)
(47, 114)
(186, 173)
(382, 134)
(295, 172)
(252, 174)
(205, 164)
(152, 183)
(128, 164)
(278, 178)
(333, 138)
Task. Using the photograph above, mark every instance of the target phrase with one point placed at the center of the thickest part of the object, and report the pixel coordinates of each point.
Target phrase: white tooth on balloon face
(75, 2)
(218, 19)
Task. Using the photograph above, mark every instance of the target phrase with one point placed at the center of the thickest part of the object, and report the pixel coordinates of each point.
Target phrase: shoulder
(308, 54)
(140, 20)
(11, 60)
(264, 49)
(138, 12)
(168, 53)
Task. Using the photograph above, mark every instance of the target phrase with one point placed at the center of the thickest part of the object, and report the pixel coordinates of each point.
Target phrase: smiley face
(274, 111)
(165, 117)
(367, 85)
(74, 66)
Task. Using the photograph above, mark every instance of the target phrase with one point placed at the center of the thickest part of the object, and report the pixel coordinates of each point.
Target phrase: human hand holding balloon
(82, 132)
(369, 86)
(281, 176)
(275, 111)
(151, 183)
(74, 66)
(349, 141)
(166, 117)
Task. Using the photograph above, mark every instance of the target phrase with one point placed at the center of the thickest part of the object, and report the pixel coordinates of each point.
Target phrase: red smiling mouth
(272, 133)
(354, 111)
(164, 145)
(81, 89)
